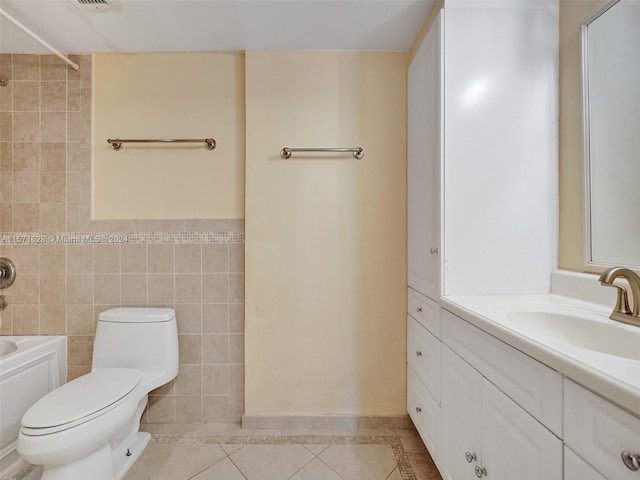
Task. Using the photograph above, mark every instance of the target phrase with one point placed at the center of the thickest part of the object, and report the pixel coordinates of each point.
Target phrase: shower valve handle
(7, 272)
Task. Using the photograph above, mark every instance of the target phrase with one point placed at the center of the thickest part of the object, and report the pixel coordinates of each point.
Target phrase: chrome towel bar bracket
(116, 143)
(358, 152)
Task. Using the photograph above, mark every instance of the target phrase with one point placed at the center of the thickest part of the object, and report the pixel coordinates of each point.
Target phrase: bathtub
(30, 367)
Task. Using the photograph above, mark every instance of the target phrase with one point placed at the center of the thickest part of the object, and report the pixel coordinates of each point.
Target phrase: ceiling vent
(97, 6)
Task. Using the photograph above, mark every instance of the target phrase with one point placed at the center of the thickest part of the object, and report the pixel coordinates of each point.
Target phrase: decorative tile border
(84, 238)
(401, 457)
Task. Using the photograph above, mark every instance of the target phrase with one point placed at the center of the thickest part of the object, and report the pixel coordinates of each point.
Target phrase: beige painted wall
(326, 235)
(185, 95)
(573, 13)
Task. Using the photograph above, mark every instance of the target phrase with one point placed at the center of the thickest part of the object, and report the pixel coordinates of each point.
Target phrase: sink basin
(584, 330)
(7, 347)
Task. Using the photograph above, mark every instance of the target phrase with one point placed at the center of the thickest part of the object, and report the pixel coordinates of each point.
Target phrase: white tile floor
(354, 455)
(209, 452)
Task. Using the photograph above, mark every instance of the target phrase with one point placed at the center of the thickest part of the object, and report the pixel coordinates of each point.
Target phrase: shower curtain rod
(73, 65)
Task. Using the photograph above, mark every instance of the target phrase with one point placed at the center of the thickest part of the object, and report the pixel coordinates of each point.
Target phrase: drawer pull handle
(481, 472)
(631, 460)
(418, 353)
(434, 250)
(418, 410)
(419, 309)
(471, 457)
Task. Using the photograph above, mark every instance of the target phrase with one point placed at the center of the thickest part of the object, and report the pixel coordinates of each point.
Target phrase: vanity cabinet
(487, 434)
(600, 432)
(507, 416)
(424, 369)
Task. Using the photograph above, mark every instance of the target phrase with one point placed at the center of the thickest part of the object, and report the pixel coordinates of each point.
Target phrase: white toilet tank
(142, 338)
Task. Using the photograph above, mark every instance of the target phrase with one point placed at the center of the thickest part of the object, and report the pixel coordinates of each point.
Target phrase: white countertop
(613, 376)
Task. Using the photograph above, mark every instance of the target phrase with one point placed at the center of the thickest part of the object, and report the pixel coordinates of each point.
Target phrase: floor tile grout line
(313, 457)
(205, 469)
(235, 464)
(313, 453)
(329, 466)
(211, 465)
(389, 476)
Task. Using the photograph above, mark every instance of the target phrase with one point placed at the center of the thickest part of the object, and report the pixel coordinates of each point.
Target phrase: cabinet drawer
(599, 431)
(576, 468)
(424, 355)
(425, 311)
(424, 412)
(534, 386)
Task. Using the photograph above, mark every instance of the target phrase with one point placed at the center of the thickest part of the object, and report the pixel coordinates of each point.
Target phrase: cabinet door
(514, 444)
(423, 168)
(461, 417)
(599, 431)
(576, 468)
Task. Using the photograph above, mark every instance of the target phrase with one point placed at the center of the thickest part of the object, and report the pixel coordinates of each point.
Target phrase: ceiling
(206, 25)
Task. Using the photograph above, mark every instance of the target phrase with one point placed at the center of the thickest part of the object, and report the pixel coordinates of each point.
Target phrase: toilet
(89, 428)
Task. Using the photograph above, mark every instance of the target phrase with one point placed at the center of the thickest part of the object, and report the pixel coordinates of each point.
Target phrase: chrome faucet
(622, 312)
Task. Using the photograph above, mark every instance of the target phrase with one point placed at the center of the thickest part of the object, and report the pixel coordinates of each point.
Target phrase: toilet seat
(80, 400)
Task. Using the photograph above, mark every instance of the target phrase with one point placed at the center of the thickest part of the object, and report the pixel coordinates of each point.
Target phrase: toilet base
(121, 461)
(96, 466)
(103, 464)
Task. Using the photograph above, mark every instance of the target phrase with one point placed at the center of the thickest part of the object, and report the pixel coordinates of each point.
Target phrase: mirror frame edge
(589, 265)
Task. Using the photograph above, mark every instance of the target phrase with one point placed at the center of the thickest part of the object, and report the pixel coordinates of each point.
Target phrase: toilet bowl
(88, 428)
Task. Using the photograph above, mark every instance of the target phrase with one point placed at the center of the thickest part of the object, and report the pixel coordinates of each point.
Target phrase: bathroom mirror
(611, 106)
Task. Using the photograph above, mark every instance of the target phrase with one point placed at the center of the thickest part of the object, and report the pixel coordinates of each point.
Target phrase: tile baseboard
(328, 422)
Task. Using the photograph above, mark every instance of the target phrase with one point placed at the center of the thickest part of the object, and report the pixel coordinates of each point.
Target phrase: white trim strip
(73, 65)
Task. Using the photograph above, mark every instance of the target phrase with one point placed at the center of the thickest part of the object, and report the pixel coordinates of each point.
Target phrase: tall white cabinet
(482, 150)
(424, 152)
(482, 219)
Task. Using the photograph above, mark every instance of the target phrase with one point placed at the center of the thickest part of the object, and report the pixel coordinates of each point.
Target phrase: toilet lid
(81, 397)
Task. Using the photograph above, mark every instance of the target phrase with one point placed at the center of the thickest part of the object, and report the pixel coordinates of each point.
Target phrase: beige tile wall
(45, 179)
